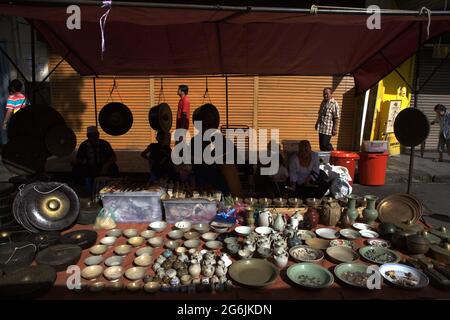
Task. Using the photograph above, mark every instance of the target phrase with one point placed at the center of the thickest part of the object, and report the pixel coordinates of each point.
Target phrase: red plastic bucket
(345, 159)
(372, 168)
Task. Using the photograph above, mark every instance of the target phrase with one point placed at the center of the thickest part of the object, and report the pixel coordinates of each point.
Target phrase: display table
(281, 289)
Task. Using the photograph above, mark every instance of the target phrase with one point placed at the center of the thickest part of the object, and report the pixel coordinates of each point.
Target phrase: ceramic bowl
(310, 275)
(369, 234)
(98, 249)
(346, 243)
(243, 230)
(230, 240)
(264, 231)
(92, 272)
(306, 254)
(181, 250)
(172, 244)
(129, 233)
(306, 234)
(379, 255)
(403, 276)
(361, 226)
(219, 227)
(147, 234)
(327, 233)
(109, 241)
(245, 254)
(135, 273)
(191, 235)
(158, 226)
(156, 242)
(209, 236)
(353, 274)
(114, 261)
(184, 226)
(144, 251)
(114, 286)
(175, 234)
(122, 250)
(378, 243)
(136, 241)
(192, 244)
(97, 286)
(113, 273)
(93, 260)
(342, 254)
(135, 286)
(318, 243)
(201, 227)
(253, 272)
(186, 279)
(114, 233)
(152, 287)
(213, 245)
(143, 261)
(350, 234)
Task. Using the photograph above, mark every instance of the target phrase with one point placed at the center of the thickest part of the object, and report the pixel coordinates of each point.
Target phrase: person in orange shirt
(183, 107)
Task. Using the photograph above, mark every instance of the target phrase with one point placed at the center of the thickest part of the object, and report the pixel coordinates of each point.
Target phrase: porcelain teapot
(295, 220)
(265, 219)
(264, 242)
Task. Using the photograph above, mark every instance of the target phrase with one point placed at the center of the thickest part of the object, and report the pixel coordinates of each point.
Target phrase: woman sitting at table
(304, 173)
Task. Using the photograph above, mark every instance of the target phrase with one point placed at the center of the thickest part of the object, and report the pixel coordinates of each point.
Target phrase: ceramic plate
(379, 255)
(327, 233)
(361, 226)
(342, 254)
(306, 234)
(403, 276)
(350, 234)
(310, 275)
(378, 243)
(369, 234)
(263, 230)
(318, 243)
(306, 254)
(345, 243)
(353, 274)
(253, 272)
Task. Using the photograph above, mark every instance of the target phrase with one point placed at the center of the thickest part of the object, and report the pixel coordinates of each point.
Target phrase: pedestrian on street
(443, 118)
(328, 120)
(16, 101)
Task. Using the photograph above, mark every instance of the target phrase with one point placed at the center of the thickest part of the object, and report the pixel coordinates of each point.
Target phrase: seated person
(159, 158)
(95, 158)
(304, 171)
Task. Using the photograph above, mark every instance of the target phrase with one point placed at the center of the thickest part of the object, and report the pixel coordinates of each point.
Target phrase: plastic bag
(106, 219)
(339, 178)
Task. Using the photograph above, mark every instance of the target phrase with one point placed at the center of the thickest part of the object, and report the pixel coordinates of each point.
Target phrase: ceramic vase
(352, 212)
(330, 212)
(279, 222)
(370, 214)
(311, 219)
(194, 269)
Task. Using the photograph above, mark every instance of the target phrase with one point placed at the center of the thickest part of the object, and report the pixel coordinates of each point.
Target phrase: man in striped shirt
(16, 101)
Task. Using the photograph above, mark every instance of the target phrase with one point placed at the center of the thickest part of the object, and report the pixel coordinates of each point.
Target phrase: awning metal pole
(33, 62)
(226, 98)
(416, 96)
(95, 102)
(317, 9)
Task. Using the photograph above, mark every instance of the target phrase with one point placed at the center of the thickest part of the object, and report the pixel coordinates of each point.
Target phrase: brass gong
(54, 206)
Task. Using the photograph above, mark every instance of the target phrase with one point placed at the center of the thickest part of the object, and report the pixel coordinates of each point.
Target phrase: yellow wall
(392, 87)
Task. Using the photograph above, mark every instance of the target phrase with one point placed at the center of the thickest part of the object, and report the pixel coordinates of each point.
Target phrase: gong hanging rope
(114, 88)
(48, 192)
(206, 94)
(161, 91)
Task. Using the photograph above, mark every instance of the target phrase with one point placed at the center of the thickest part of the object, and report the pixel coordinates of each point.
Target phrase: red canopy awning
(161, 41)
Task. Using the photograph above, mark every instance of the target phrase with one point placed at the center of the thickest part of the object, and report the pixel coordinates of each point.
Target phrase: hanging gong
(27, 282)
(35, 121)
(24, 155)
(60, 141)
(208, 115)
(82, 238)
(115, 118)
(59, 256)
(51, 206)
(411, 127)
(16, 255)
(160, 117)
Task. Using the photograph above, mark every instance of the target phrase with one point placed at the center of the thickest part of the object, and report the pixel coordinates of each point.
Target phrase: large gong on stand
(160, 117)
(115, 118)
(208, 115)
(411, 127)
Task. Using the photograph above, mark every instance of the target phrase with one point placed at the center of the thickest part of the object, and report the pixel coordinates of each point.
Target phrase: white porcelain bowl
(158, 226)
(184, 226)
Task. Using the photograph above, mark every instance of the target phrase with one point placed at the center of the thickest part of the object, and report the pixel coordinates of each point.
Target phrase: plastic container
(375, 146)
(324, 156)
(194, 210)
(372, 168)
(345, 159)
(133, 207)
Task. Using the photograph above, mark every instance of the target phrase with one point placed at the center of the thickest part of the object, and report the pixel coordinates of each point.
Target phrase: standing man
(16, 101)
(443, 118)
(328, 120)
(183, 107)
